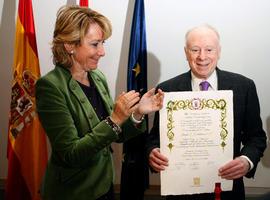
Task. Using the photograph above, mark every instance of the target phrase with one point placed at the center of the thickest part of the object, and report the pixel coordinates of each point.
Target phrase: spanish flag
(27, 148)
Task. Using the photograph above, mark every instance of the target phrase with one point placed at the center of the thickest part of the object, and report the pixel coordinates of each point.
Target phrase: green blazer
(80, 166)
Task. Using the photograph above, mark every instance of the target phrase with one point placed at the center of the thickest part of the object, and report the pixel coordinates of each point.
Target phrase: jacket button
(105, 152)
(83, 100)
(73, 86)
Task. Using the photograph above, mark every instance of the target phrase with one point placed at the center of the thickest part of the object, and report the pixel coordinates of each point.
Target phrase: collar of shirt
(212, 79)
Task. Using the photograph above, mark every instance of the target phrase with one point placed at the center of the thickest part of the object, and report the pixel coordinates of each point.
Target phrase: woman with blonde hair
(78, 113)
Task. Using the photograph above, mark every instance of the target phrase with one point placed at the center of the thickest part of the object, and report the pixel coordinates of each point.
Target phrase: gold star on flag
(137, 69)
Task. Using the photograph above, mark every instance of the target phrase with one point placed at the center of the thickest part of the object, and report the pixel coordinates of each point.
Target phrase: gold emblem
(196, 181)
(22, 110)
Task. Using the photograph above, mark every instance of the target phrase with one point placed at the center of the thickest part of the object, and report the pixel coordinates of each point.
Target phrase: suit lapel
(184, 82)
(224, 82)
(87, 108)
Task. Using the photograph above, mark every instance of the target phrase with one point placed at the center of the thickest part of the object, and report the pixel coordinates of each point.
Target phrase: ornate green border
(197, 104)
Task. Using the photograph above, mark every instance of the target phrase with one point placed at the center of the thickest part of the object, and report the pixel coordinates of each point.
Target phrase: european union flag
(135, 173)
(137, 60)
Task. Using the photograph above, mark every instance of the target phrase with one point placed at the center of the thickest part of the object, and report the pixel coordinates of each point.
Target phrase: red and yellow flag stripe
(27, 148)
(84, 3)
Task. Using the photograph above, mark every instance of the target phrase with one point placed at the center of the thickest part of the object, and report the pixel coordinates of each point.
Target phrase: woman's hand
(125, 104)
(150, 102)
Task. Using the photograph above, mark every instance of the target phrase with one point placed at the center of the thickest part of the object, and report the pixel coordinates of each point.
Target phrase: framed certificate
(196, 135)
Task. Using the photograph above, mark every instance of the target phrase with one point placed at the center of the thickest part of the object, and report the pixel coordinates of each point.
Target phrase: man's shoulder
(180, 79)
(233, 76)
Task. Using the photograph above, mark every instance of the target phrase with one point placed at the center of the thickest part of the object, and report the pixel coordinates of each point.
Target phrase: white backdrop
(243, 25)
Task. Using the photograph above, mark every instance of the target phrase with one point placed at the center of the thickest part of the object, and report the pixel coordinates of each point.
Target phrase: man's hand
(157, 161)
(234, 169)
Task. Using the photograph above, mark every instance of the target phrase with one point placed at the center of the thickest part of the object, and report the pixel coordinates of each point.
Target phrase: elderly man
(202, 52)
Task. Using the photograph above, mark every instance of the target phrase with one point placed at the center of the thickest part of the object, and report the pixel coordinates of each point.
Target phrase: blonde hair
(71, 26)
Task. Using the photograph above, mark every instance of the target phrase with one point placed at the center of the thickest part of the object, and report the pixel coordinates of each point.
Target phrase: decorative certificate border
(197, 104)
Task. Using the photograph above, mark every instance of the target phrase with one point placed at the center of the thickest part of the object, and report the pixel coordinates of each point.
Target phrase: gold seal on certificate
(196, 135)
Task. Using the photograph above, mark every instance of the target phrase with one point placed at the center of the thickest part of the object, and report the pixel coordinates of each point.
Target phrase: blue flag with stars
(137, 60)
(135, 172)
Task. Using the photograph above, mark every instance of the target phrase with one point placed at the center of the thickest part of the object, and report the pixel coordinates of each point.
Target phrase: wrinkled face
(87, 55)
(202, 52)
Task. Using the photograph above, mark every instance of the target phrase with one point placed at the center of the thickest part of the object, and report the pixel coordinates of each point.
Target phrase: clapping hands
(130, 102)
(151, 102)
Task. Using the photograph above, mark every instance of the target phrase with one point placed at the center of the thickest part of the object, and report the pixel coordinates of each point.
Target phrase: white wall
(243, 26)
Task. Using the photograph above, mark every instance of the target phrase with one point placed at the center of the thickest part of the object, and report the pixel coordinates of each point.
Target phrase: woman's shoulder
(56, 74)
(57, 77)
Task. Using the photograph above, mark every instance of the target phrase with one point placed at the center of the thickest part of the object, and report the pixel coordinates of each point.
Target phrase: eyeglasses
(197, 51)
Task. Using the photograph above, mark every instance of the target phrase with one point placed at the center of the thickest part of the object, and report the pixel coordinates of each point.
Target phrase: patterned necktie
(204, 85)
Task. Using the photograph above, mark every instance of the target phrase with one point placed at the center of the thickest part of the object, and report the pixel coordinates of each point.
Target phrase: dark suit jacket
(81, 165)
(248, 129)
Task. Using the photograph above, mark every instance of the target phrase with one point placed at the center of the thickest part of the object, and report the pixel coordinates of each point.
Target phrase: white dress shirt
(212, 80)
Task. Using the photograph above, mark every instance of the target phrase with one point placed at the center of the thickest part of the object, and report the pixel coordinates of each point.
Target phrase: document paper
(196, 135)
